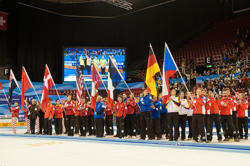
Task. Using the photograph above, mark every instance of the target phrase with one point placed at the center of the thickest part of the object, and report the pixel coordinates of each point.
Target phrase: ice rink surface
(53, 150)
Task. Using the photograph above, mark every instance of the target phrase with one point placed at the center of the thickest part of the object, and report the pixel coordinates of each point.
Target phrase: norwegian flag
(96, 82)
(3, 21)
(79, 85)
(48, 83)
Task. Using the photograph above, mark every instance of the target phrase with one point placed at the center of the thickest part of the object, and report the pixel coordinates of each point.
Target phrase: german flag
(152, 69)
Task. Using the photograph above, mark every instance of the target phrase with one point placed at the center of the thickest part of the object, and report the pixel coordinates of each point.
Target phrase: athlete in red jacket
(83, 112)
(214, 115)
(207, 116)
(91, 123)
(234, 112)
(15, 114)
(26, 112)
(225, 106)
(58, 117)
(131, 116)
(108, 113)
(242, 109)
(198, 106)
(69, 107)
(120, 113)
(49, 113)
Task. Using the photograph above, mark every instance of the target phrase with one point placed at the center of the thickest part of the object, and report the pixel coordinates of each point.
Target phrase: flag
(3, 21)
(12, 85)
(169, 68)
(152, 69)
(48, 83)
(96, 82)
(79, 85)
(113, 80)
(1, 87)
(202, 78)
(26, 84)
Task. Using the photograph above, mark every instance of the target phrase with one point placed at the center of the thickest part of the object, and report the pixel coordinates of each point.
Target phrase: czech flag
(169, 68)
(152, 69)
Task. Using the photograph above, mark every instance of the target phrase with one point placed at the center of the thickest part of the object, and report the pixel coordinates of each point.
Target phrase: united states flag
(79, 85)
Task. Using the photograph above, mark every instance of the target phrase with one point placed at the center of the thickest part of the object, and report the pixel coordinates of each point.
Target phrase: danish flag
(96, 82)
(48, 83)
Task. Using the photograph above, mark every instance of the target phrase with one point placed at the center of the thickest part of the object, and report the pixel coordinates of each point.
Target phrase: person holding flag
(15, 114)
(99, 114)
(69, 107)
(50, 111)
(26, 112)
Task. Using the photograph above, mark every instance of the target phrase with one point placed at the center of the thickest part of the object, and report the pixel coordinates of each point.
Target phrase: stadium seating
(211, 43)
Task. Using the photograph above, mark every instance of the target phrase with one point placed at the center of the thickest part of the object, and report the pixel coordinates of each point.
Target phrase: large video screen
(86, 57)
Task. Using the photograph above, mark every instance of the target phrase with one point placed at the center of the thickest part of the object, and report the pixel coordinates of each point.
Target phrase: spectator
(226, 84)
(233, 85)
(208, 73)
(217, 70)
(232, 76)
(247, 69)
(233, 70)
(242, 45)
(238, 82)
(221, 77)
(221, 84)
(214, 89)
(246, 41)
(225, 50)
(183, 65)
(227, 79)
(238, 64)
(215, 79)
(224, 59)
(244, 80)
(235, 58)
(238, 33)
(236, 44)
(204, 73)
(179, 86)
(212, 71)
(175, 85)
(230, 59)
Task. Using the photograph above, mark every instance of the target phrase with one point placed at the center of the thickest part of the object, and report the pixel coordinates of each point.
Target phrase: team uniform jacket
(15, 111)
(83, 109)
(214, 109)
(173, 106)
(183, 109)
(108, 111)
(199, 107)
(190, 111)
(76, 111)
(226, 110)
(26, 111)
(70, 107)
(234, 102)
(131, 106)
(138, 110)
(242, 109)
(145, 103)
(163, 109)
(155, 112)
(90, 111)
(120, 110)
(58, 111)
(207, 105)
(50, 111)
(99, 106)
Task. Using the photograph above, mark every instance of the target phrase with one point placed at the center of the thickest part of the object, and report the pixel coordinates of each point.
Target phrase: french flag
(114, 78)
(169, 68)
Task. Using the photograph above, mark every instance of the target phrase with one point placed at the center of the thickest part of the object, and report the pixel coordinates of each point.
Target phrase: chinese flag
(26, 84)
(3, 21)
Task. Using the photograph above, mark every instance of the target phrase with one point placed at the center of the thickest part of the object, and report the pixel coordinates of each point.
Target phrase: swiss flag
(26, 84)
(96, 82)
(3, 21)
(1, 87)
(48, 83)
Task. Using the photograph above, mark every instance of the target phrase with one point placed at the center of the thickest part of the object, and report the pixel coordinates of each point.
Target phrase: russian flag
(169, 68)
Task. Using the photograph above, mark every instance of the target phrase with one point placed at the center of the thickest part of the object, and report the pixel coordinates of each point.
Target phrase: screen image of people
(87, 58)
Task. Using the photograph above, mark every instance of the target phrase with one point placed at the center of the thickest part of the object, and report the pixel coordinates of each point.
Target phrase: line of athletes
(147, 115)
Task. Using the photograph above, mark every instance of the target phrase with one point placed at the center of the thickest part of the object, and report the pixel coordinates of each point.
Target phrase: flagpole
(156, 59)
(5, 95)
(177, 69)
(87, 89)
(31, 83)
(54, 83)
(120, 73)
(101, 79)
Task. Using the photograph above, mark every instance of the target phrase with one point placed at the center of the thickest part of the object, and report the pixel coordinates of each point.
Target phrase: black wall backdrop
(35, 37)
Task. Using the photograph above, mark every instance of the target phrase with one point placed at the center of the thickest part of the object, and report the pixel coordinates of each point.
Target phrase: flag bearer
(15, 114)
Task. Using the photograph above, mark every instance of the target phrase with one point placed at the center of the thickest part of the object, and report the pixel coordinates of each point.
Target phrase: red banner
(3, 21)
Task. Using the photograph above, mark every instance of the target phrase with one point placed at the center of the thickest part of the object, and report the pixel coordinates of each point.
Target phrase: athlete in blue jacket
(164, 117)
(145, 105)
(99, 114)
(155, 116)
